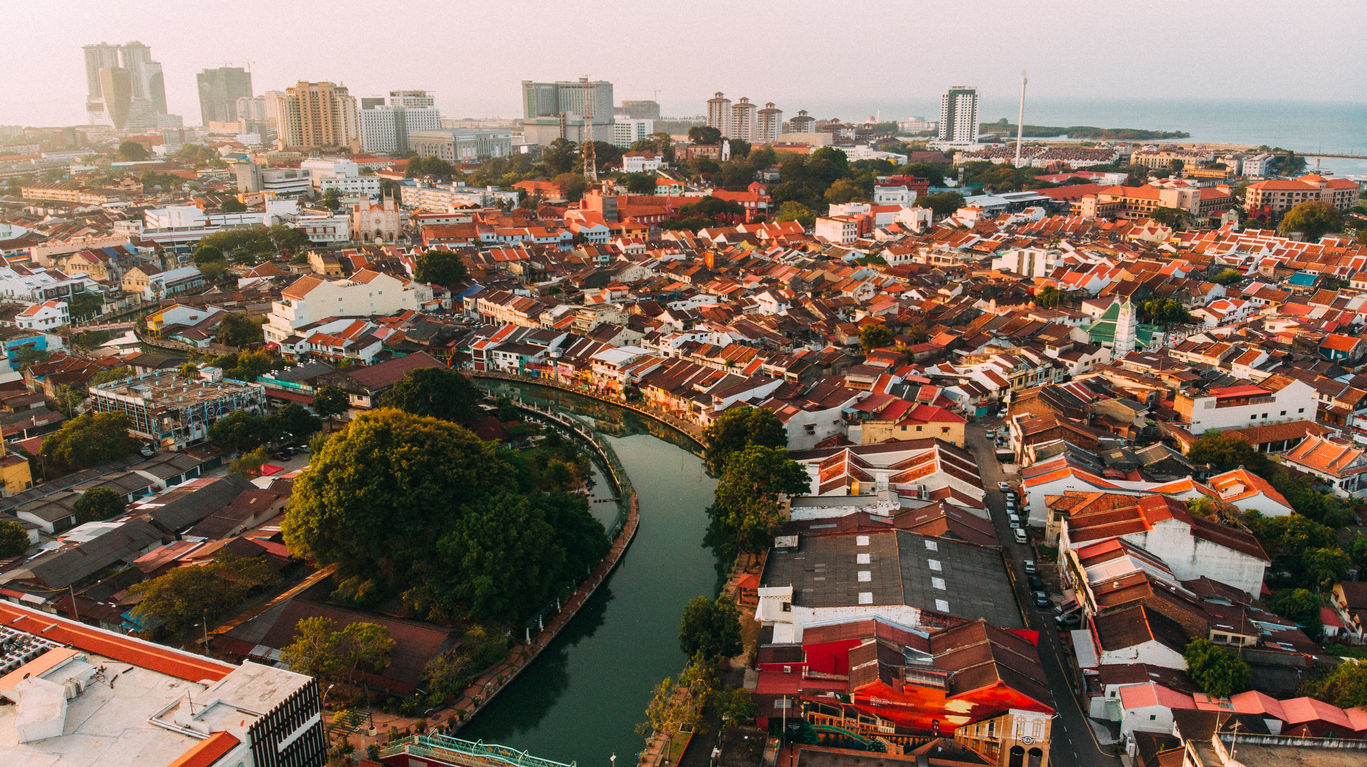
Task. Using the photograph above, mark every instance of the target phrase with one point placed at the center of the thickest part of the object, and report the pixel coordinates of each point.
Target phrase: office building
(743, 120)
(959, 115)
(124, 86)
(768, 124)
(317, 115)
(575, 110)
(454, 145)
(370, 102)
(627, 131)
(219, 90)
(719, 113)
(385, 127)
(639, 110)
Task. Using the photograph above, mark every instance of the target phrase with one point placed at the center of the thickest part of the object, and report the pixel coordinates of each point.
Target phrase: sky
(825, 57)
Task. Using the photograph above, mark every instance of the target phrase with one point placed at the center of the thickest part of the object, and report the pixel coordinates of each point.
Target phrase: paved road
(1073, 743)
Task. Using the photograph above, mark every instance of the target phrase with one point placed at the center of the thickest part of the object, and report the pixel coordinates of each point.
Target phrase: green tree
(440, 267)
(132, 151)
(713, 208)
(1222, 451)
(239, 330)
(232, 205)
(206, 253)
(13, 539)
(249, 463)
(293, 420)
(321, 650)
(670, 706)
(843, 191)
(735, 707)
(639, 183)
(112, 374)
(87, 441)
(704, 134)
(1299, 605)
(330, 402)
(559, 157)
(1313, 219)
(737, 429)
(710, 629)
(1327, 566)
(239, 432)
(97, 504)
(1173, 218)
(185, 596)
(1047, 297)
(792, 210)
(332, 199)
(1344, 685)
(213, 271)
(874, 336)
(941, 204)
(437, 392)
(746, 512)
(573, 185)
(433, 168)
(1217, 671)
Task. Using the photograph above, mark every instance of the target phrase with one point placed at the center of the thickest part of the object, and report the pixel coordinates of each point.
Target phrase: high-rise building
(959, 115)
(412, 99)
(219, 90)
(385, 127)
(316, 115)
(743, 120)
(803, 123)
(627, 131)
(580, 108)
(719, 113)
(639, 110)
(769, 124)
(370, 102)
(143, 98)
(116, 87)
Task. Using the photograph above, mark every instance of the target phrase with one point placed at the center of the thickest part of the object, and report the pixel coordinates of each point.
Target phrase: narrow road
(1073, 744)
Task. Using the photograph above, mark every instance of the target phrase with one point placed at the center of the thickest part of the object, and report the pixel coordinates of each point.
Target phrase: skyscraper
(959, 115)
(640, 110)
(385, 127)
(219, 90)
(141, 96)
(571, 109)
(314, 115)
(719, 113)
(743, 120)
(769, 124)
(412, 100)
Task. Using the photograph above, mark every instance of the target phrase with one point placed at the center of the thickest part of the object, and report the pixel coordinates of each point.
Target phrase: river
(582, 698)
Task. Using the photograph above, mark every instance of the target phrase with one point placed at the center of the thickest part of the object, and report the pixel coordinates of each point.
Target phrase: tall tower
(1126, 330)
(769, 125)
(219, 90)
(1020, 121)
(590, 161)
(959, 115)
(719, 113)
(743, 120)
(97, 58)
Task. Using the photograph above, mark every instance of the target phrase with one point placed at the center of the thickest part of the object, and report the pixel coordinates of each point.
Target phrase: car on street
(1041, 599)
(1003, 486)
(1014, 520)
(1020, 535)
(1035, 582)
(1029, 566)
(991, 434)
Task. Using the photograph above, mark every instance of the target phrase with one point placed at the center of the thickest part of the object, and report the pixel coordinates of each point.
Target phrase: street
(1072, 741)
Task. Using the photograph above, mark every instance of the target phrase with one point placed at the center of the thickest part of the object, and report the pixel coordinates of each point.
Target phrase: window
(786, 607)
(1153, 717)
(866, 597)
(942, 605)
(810, 428)
(861, 559)
(865, 576)
(1283, 412)
(1302, 410)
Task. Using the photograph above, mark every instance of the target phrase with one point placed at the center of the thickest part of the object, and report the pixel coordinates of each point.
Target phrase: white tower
(1020, 122)
(1126, 328)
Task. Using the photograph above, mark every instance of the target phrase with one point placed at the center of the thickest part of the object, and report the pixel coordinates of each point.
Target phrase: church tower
(1126, 328)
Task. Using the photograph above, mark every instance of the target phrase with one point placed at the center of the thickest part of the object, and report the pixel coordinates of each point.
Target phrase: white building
(311, 299)
(841, 230)
(325, 230)
(640, 162)
(385, 128)
(37, 284)
(456, 195)
(1028, 262)
(45, 316)
(1257, 165)
(1274, 400)
(627, 131)
(959, 115)
(328, 173)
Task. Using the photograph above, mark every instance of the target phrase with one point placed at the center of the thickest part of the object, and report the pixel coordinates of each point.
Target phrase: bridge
(465, 753)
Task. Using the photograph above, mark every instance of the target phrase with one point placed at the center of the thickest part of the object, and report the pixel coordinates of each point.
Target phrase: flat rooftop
(1258, 755)
(896, 568)
(169, 387)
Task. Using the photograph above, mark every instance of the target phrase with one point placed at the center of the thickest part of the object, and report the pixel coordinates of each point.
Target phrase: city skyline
(47, 84)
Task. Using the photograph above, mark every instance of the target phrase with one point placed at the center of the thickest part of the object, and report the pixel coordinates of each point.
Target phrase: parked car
(1069, 619)
(1041, 599)
(1003, 486)
(280, 455)
(1014, 520)
(1029, 565)
(991, 434)
(1035, 582)
(147, 450)
(1020, 536)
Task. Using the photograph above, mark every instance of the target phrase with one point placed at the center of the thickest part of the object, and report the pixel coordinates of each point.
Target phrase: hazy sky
(817, 55)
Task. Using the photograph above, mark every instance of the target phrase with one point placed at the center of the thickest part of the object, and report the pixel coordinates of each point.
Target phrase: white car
(1020, 535)
(1003, 486)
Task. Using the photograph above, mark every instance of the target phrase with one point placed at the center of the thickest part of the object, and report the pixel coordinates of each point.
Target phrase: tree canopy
(434, 167)
(710, 628)
(292, 420)
(1217, 671)
(420, 508)
(87, 441)
(1344, 685)
(184, 596)
(874, 336)
(440, 267)
(437, 392)
(240, 330)
(704, 134)
(239, 431)
(321, 650)
(941, 204)
(330, 402)
(133, 151)
(738, 428)
(96, 504)
(1048, 297)
(13, 539)
(1312, 218)
(746, 512)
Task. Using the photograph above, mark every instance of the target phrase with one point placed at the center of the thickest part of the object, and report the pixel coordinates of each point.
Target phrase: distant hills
(1081, 132)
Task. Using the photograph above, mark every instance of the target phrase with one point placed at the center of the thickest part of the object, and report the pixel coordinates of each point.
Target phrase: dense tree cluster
(173, 603)
(419, 508)
(1313, 219)
(436, 392)
(322, 650)
(87, 441)
(739, 428)
(240, 330)
(1217, 671)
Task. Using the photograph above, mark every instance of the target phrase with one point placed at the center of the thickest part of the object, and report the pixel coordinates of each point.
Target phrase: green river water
(581, 699)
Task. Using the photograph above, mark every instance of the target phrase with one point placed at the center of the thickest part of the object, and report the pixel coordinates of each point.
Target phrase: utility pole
(1020, 121)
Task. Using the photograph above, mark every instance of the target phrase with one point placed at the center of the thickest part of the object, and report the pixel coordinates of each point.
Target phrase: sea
(1308, 127)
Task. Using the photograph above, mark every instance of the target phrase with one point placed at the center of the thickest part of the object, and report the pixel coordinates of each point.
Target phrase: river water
(581, 699)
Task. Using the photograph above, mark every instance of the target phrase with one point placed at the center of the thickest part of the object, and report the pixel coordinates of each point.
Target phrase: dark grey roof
(194, 504)
(123, 483)
(903, 569)
(304, 372)
(167, 465)
(66, 483)
(121, 544)
(54, 508)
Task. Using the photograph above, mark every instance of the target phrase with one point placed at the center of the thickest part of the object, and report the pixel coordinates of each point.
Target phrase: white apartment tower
(719, 113)
(959, 115)
(769, 124)
(743, 120)
(385, 127)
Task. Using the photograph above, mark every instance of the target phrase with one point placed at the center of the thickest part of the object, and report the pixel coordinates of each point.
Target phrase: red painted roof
(206, 752)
